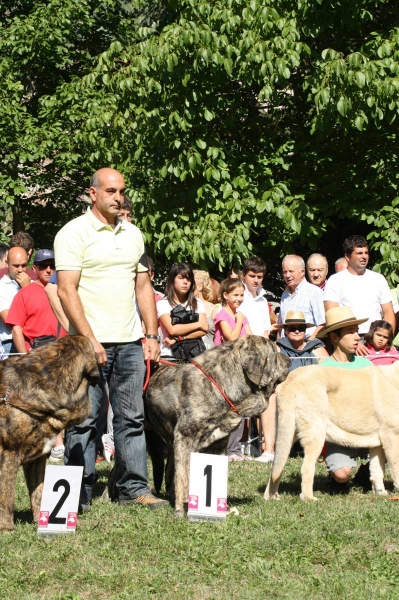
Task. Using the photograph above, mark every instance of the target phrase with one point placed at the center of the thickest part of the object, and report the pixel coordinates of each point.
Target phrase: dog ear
(254, 354)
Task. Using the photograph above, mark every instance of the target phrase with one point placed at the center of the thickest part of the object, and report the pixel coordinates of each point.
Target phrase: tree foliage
(241, 126)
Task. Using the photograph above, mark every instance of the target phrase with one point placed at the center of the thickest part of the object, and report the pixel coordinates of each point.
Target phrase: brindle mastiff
(41, 394)
(191, 415)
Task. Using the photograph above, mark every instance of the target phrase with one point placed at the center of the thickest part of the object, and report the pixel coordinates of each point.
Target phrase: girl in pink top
(379, 344)
(230, 324)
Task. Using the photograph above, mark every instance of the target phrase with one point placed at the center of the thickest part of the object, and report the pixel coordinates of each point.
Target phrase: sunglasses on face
(44, 266)
(294, 328)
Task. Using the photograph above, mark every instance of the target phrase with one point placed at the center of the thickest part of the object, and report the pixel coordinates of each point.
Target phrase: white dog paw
(306, 498)
(271, 497)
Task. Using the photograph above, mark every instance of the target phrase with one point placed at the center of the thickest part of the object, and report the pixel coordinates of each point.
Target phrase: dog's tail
(285, 437)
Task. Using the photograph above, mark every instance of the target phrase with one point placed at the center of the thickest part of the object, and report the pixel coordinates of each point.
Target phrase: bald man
(10, 284)
(317, 269)
(102, 269)
(341, 264)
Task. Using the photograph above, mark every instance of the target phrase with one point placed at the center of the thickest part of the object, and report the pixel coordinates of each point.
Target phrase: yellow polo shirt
(108, 259)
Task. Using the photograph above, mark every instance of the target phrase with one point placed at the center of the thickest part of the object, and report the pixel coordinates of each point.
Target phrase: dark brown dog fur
(191, 415)
(41, 394)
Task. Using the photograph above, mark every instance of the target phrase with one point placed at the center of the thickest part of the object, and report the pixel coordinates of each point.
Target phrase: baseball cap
(42, 255)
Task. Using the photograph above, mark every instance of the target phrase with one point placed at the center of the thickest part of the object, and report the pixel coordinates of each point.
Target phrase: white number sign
(207, 495)
(60, 500)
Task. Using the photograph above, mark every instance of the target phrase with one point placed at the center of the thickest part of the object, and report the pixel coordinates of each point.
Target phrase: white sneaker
(57, 454)
(266, 457)
(109, 447)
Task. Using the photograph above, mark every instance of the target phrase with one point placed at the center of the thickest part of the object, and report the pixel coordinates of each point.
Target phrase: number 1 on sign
(208, 475)
(207, 493)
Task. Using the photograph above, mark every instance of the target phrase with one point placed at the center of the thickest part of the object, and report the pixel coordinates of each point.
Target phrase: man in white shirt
(255, 306)
(364, 291)
(17, 278)
(301, 295)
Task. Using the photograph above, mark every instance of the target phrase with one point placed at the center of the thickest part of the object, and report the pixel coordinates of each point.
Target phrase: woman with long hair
(189, 322)
(205, 293)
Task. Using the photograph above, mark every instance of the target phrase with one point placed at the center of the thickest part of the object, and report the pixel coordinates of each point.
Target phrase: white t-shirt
(364, 294)
(256, 309)
(164, 308)
(8, 290)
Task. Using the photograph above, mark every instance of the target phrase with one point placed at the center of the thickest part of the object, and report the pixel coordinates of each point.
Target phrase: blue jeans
(124, 373)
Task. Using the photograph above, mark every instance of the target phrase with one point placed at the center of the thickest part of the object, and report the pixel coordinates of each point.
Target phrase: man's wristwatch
(151, 336)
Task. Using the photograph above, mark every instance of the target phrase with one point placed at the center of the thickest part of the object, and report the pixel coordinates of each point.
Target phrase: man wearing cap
(300, 351)
(294, 345)
(10, 284)
(364, 291)
(30, 314)
(342, 329)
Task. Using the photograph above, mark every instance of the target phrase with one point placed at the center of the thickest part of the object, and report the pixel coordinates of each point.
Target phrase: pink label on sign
(71, 520)
(222, 505)
(193, 503)
(43, 518)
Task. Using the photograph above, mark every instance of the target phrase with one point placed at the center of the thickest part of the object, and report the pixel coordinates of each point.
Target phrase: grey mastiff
(190, 413)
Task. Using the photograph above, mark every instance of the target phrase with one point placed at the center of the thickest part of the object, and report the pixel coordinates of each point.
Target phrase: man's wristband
(151, 336)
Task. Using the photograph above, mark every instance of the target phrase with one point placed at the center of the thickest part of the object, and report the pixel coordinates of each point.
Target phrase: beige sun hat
(295, 317)
(337, 317)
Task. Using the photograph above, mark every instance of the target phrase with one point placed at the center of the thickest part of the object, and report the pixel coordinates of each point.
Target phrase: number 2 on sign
(54, 519)
(208, 475)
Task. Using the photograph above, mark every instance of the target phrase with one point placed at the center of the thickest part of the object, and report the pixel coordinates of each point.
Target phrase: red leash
(172, 364)
(217, 386)
(148, 370)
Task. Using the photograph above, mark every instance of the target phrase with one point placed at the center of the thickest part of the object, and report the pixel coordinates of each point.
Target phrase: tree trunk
(17, 218)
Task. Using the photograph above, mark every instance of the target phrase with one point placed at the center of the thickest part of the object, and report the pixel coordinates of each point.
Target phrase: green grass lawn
(340, 547)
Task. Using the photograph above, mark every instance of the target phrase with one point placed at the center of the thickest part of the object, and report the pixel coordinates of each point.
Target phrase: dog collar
(5, 400)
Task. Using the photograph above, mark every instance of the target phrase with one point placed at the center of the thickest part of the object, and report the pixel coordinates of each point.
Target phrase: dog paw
(307, 498)
(271, 497)
(380, 492)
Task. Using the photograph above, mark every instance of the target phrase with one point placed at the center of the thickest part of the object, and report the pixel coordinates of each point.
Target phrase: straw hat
(295, 317)
(337, 317)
